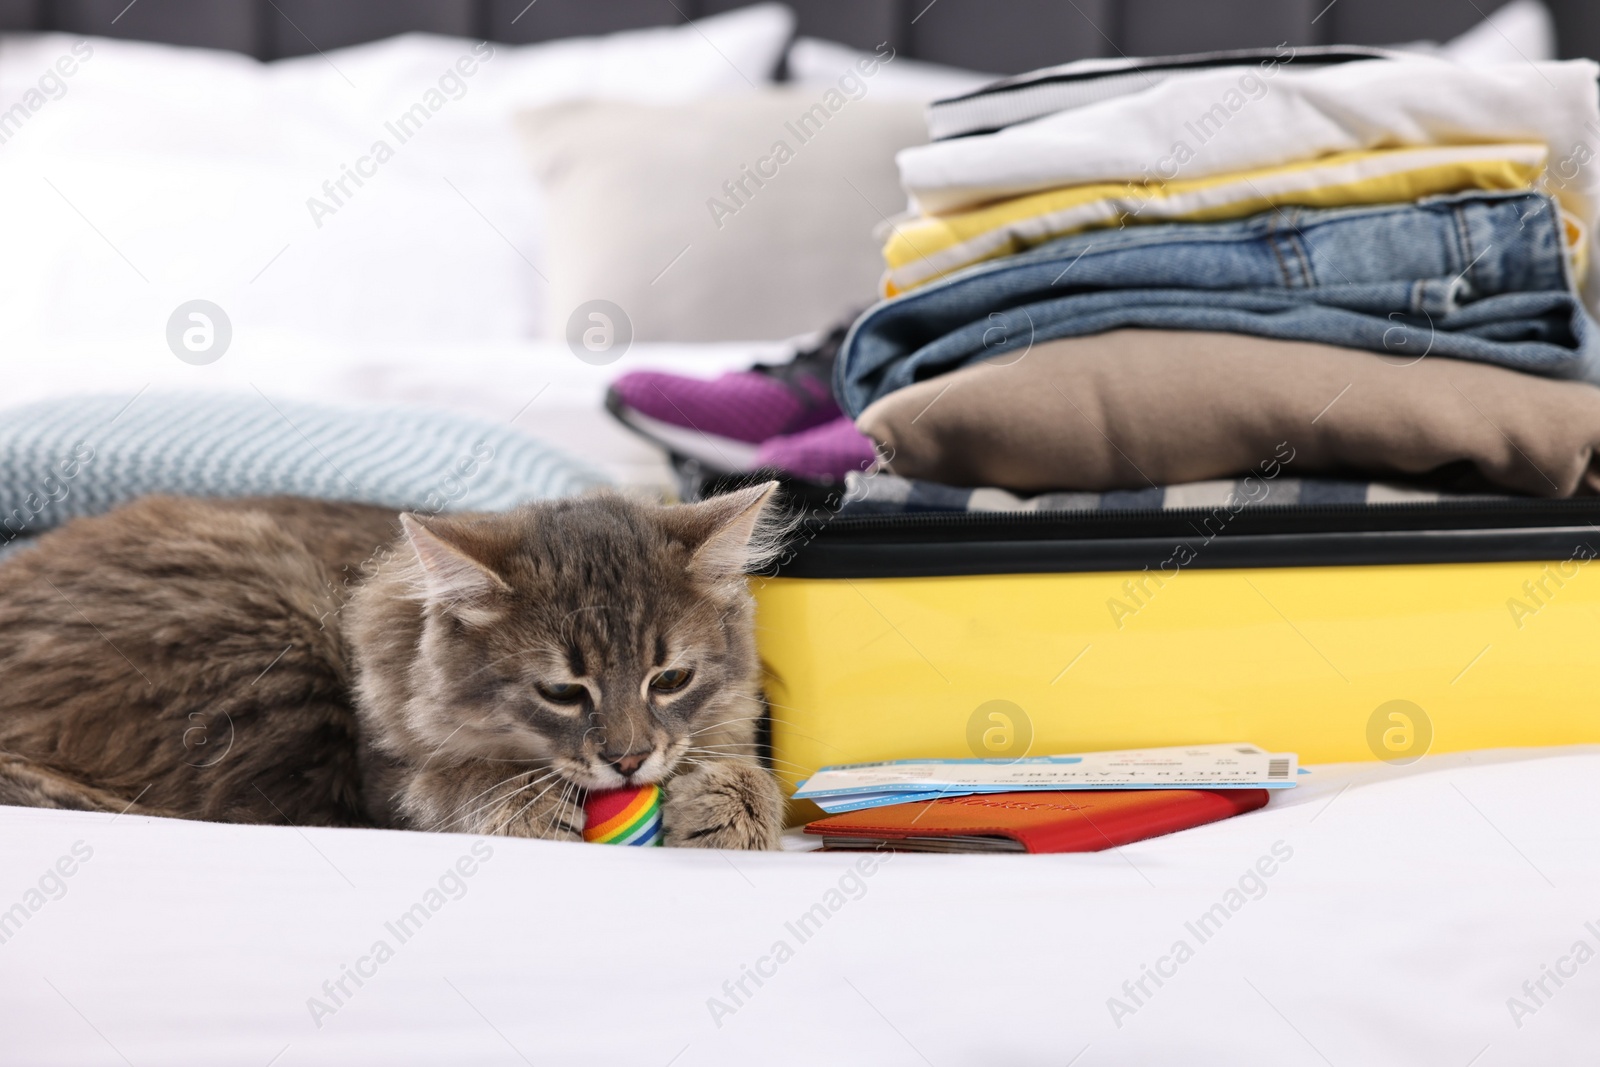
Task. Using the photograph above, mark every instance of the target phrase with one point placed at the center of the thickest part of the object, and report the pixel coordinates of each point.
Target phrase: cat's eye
(670, 681)
(563, 692)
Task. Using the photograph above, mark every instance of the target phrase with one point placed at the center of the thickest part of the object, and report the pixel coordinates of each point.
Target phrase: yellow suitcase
(1362, 632)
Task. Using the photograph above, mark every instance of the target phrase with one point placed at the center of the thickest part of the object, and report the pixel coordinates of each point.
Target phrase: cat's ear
(450, 577)
(736, 533)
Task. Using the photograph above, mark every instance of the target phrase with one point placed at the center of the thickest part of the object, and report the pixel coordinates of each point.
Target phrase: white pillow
(154, 175)
(1522, 31)
(734, 218)
(816, 63)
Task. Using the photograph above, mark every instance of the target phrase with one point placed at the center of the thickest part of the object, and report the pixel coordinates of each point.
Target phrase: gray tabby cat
(287, 660)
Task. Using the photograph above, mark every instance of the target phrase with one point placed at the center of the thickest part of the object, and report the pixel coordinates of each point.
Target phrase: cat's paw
(726, 804)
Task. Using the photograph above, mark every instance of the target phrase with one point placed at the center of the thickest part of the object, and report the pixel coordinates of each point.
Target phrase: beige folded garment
(1134, 408)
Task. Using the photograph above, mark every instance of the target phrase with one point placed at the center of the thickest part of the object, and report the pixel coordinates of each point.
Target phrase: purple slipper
(823, 453)
(719, 422)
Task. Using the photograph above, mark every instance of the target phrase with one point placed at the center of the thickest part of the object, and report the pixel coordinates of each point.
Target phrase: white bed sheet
(550, 393)
(1416, 902)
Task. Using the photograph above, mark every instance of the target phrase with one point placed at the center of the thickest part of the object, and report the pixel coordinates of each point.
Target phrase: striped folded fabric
(885, 494)
(932, 246)
(1084, 82)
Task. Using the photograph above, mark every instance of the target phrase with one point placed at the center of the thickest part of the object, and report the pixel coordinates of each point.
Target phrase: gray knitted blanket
(60, 459)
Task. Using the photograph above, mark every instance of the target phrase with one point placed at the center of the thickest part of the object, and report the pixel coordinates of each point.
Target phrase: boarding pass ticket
(1231, 766)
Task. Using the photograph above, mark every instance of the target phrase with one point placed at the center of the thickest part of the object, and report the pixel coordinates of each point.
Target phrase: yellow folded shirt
(932, 246)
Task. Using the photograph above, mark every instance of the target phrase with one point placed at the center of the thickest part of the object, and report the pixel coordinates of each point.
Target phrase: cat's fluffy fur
(285, 660)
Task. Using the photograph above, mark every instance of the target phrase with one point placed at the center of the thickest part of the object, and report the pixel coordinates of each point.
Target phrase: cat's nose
(626, 765)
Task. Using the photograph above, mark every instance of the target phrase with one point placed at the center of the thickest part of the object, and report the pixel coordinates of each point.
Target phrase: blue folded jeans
(1481, 276)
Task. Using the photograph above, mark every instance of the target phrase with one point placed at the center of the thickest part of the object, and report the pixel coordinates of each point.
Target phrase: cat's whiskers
(449, 816)
(502, 800)
(710, 750)
(724, 751)
(773, 718)
(504, 781)
(514, 816)
(785, 707)
(726, 722)
(508, 820)
(508, 759)
(555, 809)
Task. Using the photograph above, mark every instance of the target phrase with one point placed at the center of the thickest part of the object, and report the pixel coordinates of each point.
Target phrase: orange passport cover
(1066, 821)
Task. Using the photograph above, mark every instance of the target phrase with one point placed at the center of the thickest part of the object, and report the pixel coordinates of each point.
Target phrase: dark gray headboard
(1005, 36)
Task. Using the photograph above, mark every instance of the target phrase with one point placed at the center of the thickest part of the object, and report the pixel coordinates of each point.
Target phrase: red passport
(1067, 821)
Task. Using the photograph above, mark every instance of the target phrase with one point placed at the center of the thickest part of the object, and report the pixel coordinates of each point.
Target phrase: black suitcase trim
(970, 543)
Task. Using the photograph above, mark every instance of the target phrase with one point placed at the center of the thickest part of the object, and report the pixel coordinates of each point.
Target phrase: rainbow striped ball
(623, 816)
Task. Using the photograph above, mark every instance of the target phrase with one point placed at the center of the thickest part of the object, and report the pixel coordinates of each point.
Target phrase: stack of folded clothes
(1120, 277)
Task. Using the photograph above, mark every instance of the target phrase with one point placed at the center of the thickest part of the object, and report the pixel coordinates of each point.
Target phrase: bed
(1441, 912)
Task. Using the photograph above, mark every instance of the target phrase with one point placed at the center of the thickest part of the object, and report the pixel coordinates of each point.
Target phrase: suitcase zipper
(956, 543)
